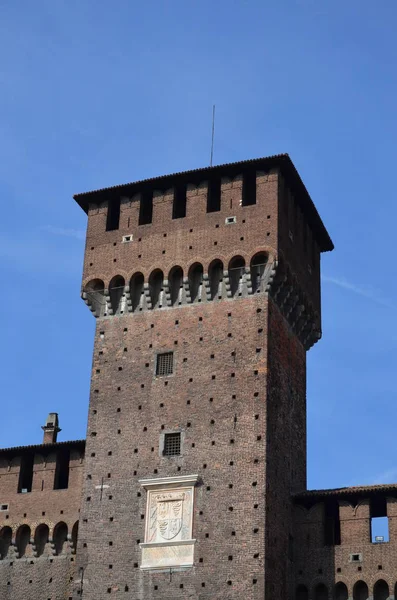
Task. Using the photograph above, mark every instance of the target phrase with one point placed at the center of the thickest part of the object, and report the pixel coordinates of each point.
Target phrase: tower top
(280, 162)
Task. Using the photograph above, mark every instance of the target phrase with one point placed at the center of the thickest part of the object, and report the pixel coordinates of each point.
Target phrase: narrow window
(172, 444)
(249, 188)
(331, 524)
(146, 207)
(113, 216)
(61, 480)
(214, 195)
(179, 204)
(165, 364)
(26, 474)
(379, 520)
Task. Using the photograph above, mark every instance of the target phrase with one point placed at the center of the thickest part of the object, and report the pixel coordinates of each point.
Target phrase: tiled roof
(282, 161)
(37, 447)
(360, 490)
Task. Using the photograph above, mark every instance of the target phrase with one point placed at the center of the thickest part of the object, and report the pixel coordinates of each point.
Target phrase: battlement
(206, 235)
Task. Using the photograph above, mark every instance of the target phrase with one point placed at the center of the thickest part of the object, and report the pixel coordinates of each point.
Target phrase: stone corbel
(146, 292)
(108, 305)
(128, 299)
(167, 293)
(228, 288)
(206, 287)
(187, 290)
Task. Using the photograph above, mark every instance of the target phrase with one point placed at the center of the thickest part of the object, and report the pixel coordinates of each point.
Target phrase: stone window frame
(167, 484)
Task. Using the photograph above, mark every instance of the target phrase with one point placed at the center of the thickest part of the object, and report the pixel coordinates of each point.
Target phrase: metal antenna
(213, 130)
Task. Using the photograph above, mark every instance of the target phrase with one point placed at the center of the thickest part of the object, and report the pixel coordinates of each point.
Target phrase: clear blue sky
(95, 93)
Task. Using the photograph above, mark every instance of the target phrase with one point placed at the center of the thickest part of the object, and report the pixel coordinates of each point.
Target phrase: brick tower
(205, 286)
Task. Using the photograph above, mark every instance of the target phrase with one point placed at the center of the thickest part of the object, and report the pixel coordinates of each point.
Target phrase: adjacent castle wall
(39, 528)
(354, 557)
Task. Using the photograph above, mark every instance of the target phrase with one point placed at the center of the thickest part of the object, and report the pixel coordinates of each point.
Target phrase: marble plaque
(169, 519)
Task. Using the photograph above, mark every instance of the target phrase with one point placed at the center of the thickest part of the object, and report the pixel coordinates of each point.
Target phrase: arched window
(195, 281)
(136, 290)
(116, 293)
(301, 593)
(236, 274)
(75, 533)
(360, 591)
(175, 280)
(340, 592)
(22, 539)
(321, 592)
(41, 538)
(381, 590)
(5, 541)
(95, 291)
(258, 265)
(215, 275)
(60, 537)
(156, 288)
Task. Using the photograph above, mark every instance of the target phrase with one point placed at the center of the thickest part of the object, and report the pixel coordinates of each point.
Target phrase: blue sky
(96, 93)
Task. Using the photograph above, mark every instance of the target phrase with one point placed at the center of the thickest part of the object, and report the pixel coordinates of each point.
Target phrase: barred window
(172, 444)
(165, 363)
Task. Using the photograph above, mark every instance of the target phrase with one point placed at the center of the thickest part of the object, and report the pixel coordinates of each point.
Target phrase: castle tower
(205, 286)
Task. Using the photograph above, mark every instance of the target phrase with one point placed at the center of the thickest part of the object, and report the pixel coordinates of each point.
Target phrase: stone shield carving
(169, 518)
(166, 516)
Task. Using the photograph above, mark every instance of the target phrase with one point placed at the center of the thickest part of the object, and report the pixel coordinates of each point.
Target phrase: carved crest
(166, 516)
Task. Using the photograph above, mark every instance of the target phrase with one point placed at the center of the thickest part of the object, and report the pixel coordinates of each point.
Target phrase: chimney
(51, 429)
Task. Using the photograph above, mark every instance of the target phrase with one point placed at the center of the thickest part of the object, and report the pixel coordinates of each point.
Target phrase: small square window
(165, 363)
(172, 444)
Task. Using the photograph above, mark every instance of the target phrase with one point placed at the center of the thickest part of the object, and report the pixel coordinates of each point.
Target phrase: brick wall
(48, 575)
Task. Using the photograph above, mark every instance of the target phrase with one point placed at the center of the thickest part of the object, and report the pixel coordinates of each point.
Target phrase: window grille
(172, 444)
(165, 363)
